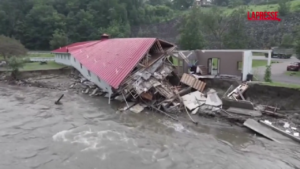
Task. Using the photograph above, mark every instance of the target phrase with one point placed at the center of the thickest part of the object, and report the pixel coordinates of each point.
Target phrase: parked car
(295, 66)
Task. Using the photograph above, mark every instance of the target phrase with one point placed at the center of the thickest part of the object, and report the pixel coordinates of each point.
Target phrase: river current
(87, 133)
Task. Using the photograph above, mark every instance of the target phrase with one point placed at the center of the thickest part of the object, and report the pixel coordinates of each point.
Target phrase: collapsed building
(149, 72)
(122, 66)
(153, 72)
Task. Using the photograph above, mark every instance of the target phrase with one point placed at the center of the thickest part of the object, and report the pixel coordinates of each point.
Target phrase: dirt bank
(285, 98)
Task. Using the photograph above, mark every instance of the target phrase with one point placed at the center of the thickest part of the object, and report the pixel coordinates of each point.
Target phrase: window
(239, 65)
(80, 66)
(89, 73)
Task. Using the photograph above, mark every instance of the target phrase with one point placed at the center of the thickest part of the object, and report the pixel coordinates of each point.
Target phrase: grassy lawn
(277, 84)
(37, 66)
(292, 73)
(259, 63)
(43, 55)
(294, 5)
(258, 54)
(46, 55)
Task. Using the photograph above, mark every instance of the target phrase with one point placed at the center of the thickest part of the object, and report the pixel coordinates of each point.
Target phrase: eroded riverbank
(86, 132)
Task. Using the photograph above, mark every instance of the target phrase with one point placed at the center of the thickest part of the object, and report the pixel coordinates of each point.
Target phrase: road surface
(278, 71)
(273, 59)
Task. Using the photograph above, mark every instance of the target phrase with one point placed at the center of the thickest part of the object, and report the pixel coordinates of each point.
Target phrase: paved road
(278, 70)
(264, 58)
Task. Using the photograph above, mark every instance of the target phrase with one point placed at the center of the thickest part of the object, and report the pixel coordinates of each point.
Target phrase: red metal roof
(73, 45)
(111, 59)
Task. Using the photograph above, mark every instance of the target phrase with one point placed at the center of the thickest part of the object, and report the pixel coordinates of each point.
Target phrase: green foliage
(59, 39)
(182, 4)
(235, 3)
(283, 8)
(44, 25)
(190, 34)
(11, 47)
(236, 37)
(267, 76)
(287, 41)
(297, 42)
(15, 64)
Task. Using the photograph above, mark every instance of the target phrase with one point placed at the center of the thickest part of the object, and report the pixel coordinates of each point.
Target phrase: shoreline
(66, 80)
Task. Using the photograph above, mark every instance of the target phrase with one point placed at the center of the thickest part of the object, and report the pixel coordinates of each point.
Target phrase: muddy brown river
(86, 133)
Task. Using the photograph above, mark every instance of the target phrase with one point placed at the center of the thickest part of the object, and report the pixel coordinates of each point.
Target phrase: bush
(15, 64)
(267, 76)
(284, 8)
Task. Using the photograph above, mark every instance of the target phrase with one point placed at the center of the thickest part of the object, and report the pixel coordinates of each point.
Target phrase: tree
(286, 41)
(267, 76)
(15, 64)
(236, 37)
(297, 42)
(235, 3)
(11, 47)
(59, 39)
(283, 8)
(183, 4)
(214, 26)
(190, 34)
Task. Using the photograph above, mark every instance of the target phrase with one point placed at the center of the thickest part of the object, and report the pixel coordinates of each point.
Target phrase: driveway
(278, 70)
(264, 58)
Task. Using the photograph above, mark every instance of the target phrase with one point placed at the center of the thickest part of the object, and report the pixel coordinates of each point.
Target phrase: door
(209, 66)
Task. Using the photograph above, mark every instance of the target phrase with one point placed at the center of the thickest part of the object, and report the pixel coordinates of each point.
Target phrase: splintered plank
(193, 82)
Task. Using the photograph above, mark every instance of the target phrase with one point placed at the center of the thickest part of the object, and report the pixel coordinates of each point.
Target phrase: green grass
(44, 55)
(34, 66)
(285, 85)
(258, 54)
(294, 7)
(37, 66)
(259, 63)
(293, 73)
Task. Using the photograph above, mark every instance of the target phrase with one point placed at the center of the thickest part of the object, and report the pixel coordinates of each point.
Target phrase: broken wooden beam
(274, 114)
(58, 100)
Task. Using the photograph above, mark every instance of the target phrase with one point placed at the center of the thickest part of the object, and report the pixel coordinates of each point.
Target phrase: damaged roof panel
(110, 59)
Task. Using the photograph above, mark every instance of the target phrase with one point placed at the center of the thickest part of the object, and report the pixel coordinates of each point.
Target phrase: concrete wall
(228, 60)
(247, 64)
(69, 60)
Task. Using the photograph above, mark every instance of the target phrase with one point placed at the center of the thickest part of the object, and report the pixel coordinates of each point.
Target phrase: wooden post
(58, 100)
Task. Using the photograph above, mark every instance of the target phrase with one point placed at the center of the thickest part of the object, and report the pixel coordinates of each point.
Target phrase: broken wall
(228, 60)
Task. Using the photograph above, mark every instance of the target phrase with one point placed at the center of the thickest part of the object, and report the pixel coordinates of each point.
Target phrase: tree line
(211, 28)
(48, 24)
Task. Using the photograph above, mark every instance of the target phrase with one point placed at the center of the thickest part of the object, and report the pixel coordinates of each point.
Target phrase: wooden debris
(147, 95)
(274, 114)
(193, 82)
(58, 100)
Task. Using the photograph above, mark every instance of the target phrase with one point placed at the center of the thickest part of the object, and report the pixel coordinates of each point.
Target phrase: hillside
(262, 33)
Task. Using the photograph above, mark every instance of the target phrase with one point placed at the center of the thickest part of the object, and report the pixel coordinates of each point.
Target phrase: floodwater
(86, 133)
